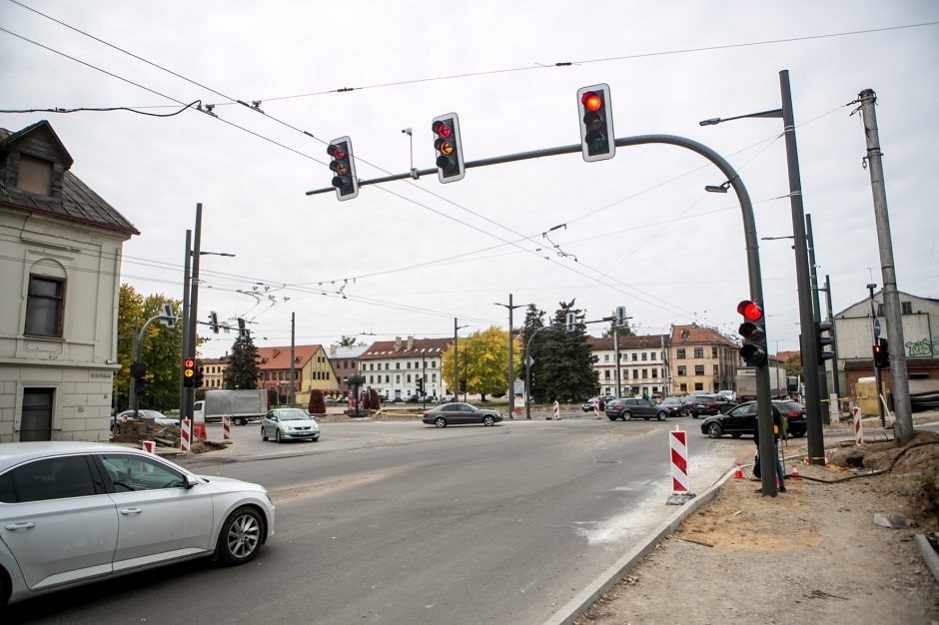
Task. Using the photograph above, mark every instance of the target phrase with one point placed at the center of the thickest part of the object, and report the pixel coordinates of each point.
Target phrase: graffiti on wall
(922, 347)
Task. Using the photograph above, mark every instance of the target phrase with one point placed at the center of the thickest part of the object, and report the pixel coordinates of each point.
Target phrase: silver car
(75, 512)
(284, 424)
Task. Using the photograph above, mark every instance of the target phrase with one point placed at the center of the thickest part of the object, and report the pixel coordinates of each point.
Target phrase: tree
(317, 403)
(346, 341)
(160, 349)
(243, 370)
(623, 331)
(484, 366)
(793, 365)
(564, 368)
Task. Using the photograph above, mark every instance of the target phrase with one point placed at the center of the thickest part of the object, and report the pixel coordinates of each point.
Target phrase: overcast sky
(405, 258)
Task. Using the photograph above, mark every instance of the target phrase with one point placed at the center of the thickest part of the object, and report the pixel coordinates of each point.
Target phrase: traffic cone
(795, 472)
(199, 431)
(738, 473)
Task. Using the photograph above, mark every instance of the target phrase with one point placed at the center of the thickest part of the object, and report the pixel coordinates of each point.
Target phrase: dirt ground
(810, 555)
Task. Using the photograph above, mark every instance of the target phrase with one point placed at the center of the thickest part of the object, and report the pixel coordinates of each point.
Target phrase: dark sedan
(630, 407)
(708, 405)
(742, 420)
(677, 406)
(459, 413)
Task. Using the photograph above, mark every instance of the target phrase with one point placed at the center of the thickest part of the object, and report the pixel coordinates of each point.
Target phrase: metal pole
(835, 382)
(816, 442)
(511, 308)
(194, 304)
(456, 362)
(292, 397)
(903, 424)
(877, 377)
(616, 356)
(817, 314)
(184, 347)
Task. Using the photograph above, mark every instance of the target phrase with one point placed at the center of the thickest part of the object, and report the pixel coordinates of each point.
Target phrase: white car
(76, 512)
(289, 424)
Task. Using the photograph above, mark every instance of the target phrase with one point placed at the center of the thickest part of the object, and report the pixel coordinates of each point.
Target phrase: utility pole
(616, 355)
(511, 307)
(816, 442)
(193, 306)
(835, 382)
(903, 425)
(817, 314)
(184, 348)
(291, 398)
(456, 361)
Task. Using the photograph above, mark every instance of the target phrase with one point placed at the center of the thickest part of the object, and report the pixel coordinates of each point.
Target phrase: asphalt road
(396, 522)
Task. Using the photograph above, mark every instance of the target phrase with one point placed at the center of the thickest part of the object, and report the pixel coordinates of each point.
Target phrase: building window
(645, 357)
(699, 352)
(682, 370)
(635, 374)
(387, 379)
(698, 386)
(655, 373)
(906, 308)
(35, 176)
(713, 352)
(699, 370)
(716, 371)
(36, 424)
(44, 306)
(606, 374)
(635, 357)
(606, 358)
(683, 387)
(645, 374)
(651, 355)
(680, 353)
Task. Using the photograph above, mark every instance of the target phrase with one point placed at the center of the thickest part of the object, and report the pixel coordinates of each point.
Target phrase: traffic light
(241, 328)
(596, 123)
(822, 342)
(571, 321)
(343, 166)
(189, 372)
(753, 330)
(881, 354)
(449, 147)
(420, 386)
(621, 316)
(213, 322)
(198, 377)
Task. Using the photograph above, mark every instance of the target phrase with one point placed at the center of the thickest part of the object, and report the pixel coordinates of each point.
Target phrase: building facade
(213, 372)
(60, 261)
(345, 362)
(701, 359)
(643, 365)
(311, 371)
(393, 367)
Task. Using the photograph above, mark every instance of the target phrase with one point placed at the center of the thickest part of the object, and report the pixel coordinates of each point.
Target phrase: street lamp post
(511, 308)
(807, 319)
(529, 363)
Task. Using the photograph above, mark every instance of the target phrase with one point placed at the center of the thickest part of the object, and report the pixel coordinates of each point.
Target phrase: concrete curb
(609, 578)
(929, 555)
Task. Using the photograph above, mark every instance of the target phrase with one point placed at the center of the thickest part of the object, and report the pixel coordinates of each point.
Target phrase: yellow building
(311, 371)
(701, 359)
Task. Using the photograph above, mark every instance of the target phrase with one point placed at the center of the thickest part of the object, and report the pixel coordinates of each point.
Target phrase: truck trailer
(241, 405)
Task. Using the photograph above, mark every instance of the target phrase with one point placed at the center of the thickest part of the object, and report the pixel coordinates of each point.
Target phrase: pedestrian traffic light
(753, 330)
(343, 166)
(881, 354)
(597, 140)
(189, 372)
(824, 339)
(449, 147)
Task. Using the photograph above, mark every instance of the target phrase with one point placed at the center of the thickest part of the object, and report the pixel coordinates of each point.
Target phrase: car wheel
(627, 416)
(662, 416)
(440, 422)
(241, 535)
(714, 430)
(489, 420)
(277, 437)
(263, 434)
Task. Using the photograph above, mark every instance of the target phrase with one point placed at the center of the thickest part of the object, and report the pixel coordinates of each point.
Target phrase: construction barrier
(678, 445)
(556, 411)
(184, 433)
(226, 428)
(858, 426)
(148, 447)
(199, 431)
(596, 408)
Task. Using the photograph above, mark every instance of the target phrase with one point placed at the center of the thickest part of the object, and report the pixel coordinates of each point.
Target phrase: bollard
(858, 426)
(185, 431)
(678, 445)
(226, 428)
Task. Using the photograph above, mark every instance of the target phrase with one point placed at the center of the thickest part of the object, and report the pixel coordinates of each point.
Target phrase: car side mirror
(191, 481)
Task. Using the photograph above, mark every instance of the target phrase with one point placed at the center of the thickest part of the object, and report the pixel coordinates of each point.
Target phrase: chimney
(410, 343)
(397, 343)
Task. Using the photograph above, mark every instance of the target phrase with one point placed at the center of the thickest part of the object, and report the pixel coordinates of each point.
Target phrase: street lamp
(807, 319)
(511, 308)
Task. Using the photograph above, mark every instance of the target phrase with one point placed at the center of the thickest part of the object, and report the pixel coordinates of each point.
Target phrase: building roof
(279, 357)
(648, 341)
(78, 202)
(346, 353)
(784, 356)
(406, 348)
(693, 334)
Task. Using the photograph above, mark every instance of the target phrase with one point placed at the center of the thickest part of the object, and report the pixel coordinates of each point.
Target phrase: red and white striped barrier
(184, 436)
(556, 411)
(596, 408)
(226, 428)
(678, 444)
(148, 447)
(858, 426)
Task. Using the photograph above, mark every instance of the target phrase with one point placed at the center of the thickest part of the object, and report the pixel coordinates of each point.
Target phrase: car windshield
(292, 414)
(789, 406)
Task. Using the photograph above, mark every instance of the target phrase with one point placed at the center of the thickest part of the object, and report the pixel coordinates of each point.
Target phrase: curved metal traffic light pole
(765, 419)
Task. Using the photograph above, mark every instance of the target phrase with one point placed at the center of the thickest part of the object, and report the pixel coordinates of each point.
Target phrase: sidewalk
(811, 555)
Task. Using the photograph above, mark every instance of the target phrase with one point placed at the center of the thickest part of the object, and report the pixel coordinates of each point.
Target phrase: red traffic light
(189, 363)
(592, 101)
(336, 152)
(442, 129)
(751, 311)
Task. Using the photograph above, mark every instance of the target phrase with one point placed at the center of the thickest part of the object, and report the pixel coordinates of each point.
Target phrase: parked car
(630, 407)
(460, 413)
(128, 415)
(413, 399)
(708, 404)
(730, 395)
(677, 406)
(587, 406)
(76, 512)
(284, 424)
(742, 419)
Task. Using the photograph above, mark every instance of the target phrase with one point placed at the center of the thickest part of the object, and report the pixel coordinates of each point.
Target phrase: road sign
(529, 361)
(876, 328)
